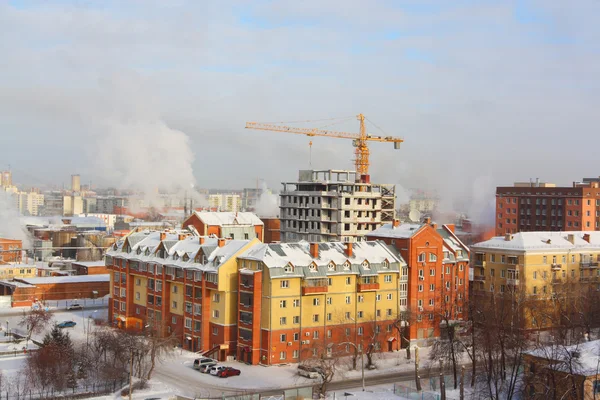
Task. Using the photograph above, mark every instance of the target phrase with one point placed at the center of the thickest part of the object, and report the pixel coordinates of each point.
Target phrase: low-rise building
(295, 298)
(89, 267)
(17, 270)
(10, 250)
(234, 225)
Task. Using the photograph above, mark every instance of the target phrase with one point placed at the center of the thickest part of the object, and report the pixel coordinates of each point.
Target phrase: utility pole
(131, 375)
(442, 381)
(462, 382)
(362, 367)
(417, 377)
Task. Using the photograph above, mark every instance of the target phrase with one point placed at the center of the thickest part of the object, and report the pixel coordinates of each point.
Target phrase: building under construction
(334, 205)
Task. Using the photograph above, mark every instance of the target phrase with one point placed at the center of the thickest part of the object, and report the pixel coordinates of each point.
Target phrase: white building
(333, 205)
(225, 202)
(29, 203)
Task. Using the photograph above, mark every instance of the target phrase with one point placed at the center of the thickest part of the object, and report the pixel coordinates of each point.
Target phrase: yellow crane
(359, 140)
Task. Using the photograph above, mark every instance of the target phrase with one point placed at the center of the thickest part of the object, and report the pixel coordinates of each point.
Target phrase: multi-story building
(539, 267)
(181, 285)
(250, 197)
(10, 250)
(110, 204)
(333, 205)
(538, 206)
(438, 281)
(29, 203)
(296, 298)
(6, 178)
(225, 202)
(233, 225)
(57, 203)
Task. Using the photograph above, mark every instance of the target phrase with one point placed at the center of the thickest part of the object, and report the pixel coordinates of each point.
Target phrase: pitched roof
(543, 241)
(402, 231)
(228, 218)
(584, 357)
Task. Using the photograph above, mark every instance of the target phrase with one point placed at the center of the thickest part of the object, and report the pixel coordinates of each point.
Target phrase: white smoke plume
(483, 201)
(267, 204)
(10, 222)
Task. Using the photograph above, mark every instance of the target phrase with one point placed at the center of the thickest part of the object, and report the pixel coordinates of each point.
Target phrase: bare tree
(35, 321)
(159, 345)
(325, 360)
(402, 325)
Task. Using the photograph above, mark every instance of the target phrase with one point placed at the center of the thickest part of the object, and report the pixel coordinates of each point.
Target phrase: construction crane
(359, 140)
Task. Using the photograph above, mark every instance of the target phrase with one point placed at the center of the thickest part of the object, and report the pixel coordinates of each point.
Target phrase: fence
(300, 393)
(85, 391)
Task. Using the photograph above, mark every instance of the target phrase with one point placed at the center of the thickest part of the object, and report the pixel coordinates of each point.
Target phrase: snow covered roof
(542, 241)
(453, 243)
(583, 357)
(228, 218)
(368, 258)
(89, 263)
(15, 284)
(66, 279)
(402, 231)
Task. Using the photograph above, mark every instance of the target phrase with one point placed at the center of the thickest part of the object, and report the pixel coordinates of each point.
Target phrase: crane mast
(359, 141)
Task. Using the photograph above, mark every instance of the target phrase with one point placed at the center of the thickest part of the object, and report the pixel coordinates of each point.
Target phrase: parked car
(75, 306)
(308, 372)
(215, 369)
(228, 371)
(205, 367)
(67, 324)
(198, 362)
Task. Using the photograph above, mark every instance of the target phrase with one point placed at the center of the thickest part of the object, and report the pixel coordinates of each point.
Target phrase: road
(11, 312)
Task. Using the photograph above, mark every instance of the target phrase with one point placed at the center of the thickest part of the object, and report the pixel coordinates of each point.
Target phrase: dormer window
(346, 266)
(186, 257)
(386, 264)
(147, 252)
(288, 268)
(175, 256)
(459, 253)
(115, 246)
(365, 265)
(312, 267)
(138, 251)
(331, 266)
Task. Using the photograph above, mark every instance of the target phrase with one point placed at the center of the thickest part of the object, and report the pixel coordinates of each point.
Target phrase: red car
(228, 371)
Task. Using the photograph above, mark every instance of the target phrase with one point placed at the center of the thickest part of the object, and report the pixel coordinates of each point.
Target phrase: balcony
(588, 264)
(557, 281)
(314, 286)
(594, 278)
(480, 263)
(247, 285)
(556, 267)
(368, 283)
(512, 282)
(478, 278)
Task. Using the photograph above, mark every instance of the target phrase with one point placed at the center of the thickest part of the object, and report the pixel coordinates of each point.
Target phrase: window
(285, 284)
(123, 292)
(348, 300)
(432, 257)
(315, 334)
(348, 280)
(296, 319)
(545, 260)
(137, 295)
(296, 336)
(359, 331)
(315, 317)
(174, 289)
(535, 290)
(431, 271)
(173, 320)
(215, 313)
(431, 302)
(534, 274)
(388, 312)
(361, 298)
(283, 338)
(389, 296)
(378, 297)
(422, 257)
(387, 278)
(316, 301)
(330, 300)
(283, 304)
(282, 355)
(329, 316)
(188, 323)
(296, 354)
(283, 321)
(296, 303)
(420, 288)
(138, 282)
(347, 315)
(216, 297)
(123, 306)
(360, 314)
(329, 282)
(431, 287)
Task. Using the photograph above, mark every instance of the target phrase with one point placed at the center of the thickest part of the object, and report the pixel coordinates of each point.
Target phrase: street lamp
(6, 333)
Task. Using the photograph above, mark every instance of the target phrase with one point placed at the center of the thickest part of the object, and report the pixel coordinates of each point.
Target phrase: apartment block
(541, 267)
(333, 205)
(180, 284)
(233, 225)
(300, 300)
(538, 206)
(29, 203)
(438, 281)
(10, 250)
(225, 202)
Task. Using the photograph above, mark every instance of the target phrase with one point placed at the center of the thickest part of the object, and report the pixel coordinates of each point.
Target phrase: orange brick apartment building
(234, 225)
(10, 250)
(540, 206)
(438, 281)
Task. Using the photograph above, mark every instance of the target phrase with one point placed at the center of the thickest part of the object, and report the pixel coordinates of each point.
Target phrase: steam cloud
(10, 223)
(267, 204)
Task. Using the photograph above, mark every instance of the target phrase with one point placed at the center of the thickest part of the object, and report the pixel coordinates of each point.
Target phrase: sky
(144, 93)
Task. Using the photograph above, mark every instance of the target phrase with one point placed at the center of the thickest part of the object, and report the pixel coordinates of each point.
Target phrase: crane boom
(359, 139)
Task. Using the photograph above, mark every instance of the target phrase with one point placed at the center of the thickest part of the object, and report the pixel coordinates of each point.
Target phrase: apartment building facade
(301, 300)
(233, 225)
(10, 250)
(538, 268)
(179, 284)
(537, 206)
(438, 281)
(333, 205)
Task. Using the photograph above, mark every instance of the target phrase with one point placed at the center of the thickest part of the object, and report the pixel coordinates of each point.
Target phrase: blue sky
(478, 88)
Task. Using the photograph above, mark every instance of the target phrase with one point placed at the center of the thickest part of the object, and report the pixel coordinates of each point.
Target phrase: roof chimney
(451, 227)
(314, 250)
(586, 237)
(349, 249)
(163, 236)
(396, 223)
(434, 225)
(181, 236)
(508, 237)
(221, 242)
(427, 220)
(571, 238)
(201, 239)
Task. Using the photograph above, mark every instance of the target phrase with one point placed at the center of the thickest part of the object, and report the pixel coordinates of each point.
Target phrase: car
(308, 372)
(198, 362)
(67, 324)
(205, 367)
(228, 371)
(215, 369)
(75, 306)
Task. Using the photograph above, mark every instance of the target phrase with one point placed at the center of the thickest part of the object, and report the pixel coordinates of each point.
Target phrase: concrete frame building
(333, 205)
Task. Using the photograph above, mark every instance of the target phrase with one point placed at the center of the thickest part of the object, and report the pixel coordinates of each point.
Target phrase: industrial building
(10, 250)
(539, 206)
(334, 205)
